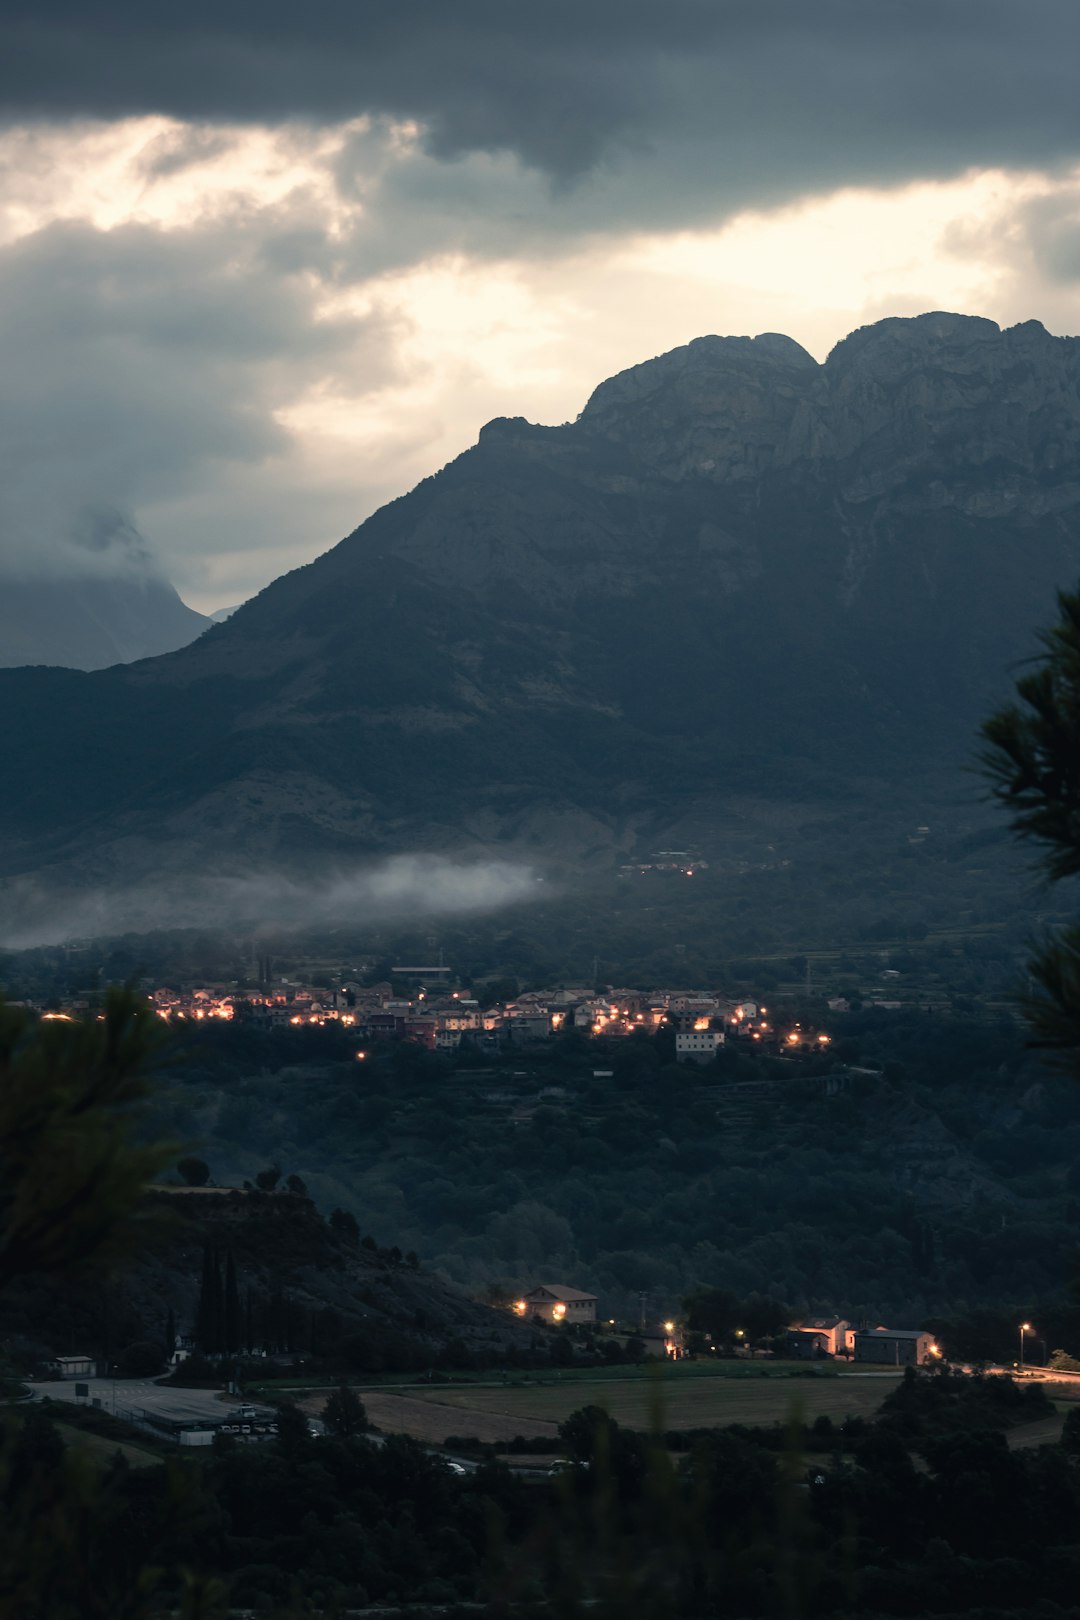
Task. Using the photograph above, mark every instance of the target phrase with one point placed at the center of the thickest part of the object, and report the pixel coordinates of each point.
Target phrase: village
(418, 1005)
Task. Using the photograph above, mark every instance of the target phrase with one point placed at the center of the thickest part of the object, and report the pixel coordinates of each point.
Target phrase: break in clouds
(261, 270)
(402, 887)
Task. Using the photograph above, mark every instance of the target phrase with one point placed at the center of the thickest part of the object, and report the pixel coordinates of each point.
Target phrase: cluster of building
(685, 862)
(815, 1338)
(820, 1336)
(436, 1016)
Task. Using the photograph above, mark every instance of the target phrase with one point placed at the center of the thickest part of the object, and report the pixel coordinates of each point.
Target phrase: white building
(77, 1366)
(698, 1045)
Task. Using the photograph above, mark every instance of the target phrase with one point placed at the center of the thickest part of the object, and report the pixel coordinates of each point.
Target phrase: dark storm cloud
(782, 95)
(139, 364)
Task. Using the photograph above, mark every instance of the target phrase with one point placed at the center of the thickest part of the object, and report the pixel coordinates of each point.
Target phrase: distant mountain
(738, 575)
(92, 623)
(92, 598)
(221, 614)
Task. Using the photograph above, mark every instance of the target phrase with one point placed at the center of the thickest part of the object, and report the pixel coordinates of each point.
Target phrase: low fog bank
(404, 886)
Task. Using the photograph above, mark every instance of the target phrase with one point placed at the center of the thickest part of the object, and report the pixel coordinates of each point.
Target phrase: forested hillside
(926, 1165)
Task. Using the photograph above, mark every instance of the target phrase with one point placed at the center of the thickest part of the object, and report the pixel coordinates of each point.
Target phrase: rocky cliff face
(897, 402)
(737, 572)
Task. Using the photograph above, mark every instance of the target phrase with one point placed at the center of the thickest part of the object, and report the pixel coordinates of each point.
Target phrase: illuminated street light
(669, 1327)
(1025, 1327)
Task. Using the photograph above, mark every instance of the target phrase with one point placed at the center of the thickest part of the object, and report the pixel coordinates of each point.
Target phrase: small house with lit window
(554, 1303)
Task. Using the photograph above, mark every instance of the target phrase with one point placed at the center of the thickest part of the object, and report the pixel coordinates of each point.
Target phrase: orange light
(793, 1039)
(558, 1311)
(360, 1056)
(520, 1307)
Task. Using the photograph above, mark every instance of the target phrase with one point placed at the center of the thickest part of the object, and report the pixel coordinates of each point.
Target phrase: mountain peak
(736, 566)
(706, 364)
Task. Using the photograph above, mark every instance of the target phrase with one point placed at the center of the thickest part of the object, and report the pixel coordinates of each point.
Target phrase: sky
(263, 267)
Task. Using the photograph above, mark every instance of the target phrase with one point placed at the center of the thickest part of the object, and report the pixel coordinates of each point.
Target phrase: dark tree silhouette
(71, 1172)
(345, 1225)
(1032, 759)
(344, 1413)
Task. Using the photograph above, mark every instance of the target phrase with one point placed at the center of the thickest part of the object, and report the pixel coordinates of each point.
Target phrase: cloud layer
(781, 94)
(263, 268)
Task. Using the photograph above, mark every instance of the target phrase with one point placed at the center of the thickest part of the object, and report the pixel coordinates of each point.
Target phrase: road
(142, 1394)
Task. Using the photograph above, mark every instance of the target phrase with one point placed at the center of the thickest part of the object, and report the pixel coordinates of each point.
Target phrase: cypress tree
(219, 1304)
(206, 1313)
(233, 1325)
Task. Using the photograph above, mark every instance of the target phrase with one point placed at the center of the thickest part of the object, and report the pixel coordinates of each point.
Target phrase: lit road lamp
(1025, 1327)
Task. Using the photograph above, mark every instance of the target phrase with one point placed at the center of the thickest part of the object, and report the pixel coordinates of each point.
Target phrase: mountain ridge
(737, 571)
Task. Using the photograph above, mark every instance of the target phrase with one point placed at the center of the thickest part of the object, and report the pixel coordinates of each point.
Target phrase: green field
(103, 1449)
(668, 1402)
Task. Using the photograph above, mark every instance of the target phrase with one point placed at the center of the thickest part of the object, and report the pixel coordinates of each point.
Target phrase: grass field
(101, 1449)
(496, 1413)
(690, 1370)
